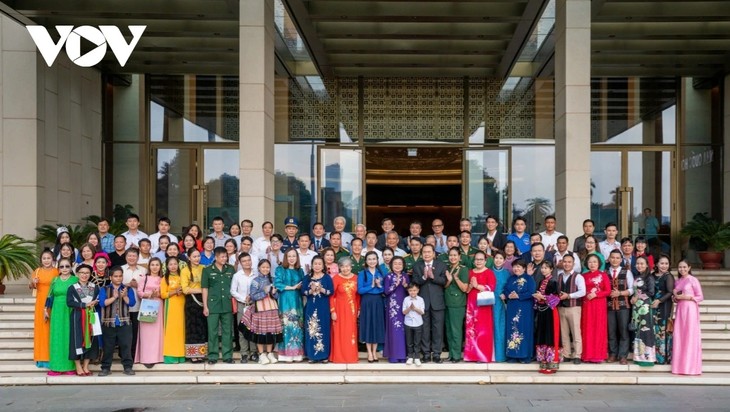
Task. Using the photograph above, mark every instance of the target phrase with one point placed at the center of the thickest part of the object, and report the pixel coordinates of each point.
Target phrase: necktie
(316, 242)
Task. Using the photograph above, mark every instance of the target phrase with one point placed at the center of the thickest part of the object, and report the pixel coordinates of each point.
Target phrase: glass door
(340, 186)
(194, 184)
(486, 188)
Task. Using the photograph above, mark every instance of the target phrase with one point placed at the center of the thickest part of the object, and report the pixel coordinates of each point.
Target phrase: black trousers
(134, 316)
(432, 342)
(618, 332)
(413, 340)
(122, 336)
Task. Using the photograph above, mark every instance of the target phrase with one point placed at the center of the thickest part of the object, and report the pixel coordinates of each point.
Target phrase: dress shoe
(212, 361)
(576, 361)
(436, 359)
(105, 372)
(426, 359)
(244, 358)
(455, 360)
(129, 372)
(228, 360)
(623, 361)
(612, 359)
(567, 359)
(254, 357)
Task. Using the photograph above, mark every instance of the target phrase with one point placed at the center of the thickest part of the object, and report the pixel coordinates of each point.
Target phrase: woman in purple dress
(395, 291)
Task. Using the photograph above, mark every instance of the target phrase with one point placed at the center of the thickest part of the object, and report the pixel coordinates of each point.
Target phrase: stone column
(572, 114)
(256, 82)
(726, 159)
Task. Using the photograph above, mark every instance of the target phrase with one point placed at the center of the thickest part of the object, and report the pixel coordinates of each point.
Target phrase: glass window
(128, 164)
(605, 184)
(341, 186)
(127, 96)
(294, 182)
(220, 175)
(650, 177)
(175, 177)
(533, 184)
(487, 187)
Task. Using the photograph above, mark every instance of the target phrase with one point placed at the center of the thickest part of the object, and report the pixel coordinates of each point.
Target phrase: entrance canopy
(406, 38)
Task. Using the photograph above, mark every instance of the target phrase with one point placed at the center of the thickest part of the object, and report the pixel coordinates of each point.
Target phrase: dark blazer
(381, 242)
(323, 243)
(432, 290)
(406, 245)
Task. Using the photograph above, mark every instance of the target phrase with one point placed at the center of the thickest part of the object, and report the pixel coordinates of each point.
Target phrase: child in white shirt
(413, 308)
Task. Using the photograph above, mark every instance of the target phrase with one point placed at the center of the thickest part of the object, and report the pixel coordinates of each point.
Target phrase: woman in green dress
(60, 316)
(591, 248)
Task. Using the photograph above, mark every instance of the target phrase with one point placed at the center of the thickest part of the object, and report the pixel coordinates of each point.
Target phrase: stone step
(16, 344)
(411, 376)
(13, 334)
(10, 324)
(714, 326)
(723, 344)
(24, 300)
(16, 316)
(719, 335)
(712, 317)
(16, 354)
(715, 354)
(17, 308)
(714, 309)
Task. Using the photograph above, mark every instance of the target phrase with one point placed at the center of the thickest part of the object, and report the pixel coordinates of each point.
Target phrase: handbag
(485, 298)
(149, 310)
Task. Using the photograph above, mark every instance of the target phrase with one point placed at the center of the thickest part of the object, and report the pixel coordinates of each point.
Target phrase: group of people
(321, 297)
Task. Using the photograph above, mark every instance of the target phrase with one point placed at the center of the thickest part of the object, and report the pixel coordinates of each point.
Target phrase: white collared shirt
(134, 238)
(155, 240)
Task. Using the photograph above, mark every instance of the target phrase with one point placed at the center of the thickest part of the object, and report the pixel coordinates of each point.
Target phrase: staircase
(17, 366)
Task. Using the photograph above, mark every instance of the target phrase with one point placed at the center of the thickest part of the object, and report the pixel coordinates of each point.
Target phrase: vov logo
(71, 37)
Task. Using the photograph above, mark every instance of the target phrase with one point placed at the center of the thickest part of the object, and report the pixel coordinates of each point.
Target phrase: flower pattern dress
(642, 321)
(662, 314)
(345, 303)
(395, 338)
(479, 341)
(317, 318)
(520, 325)
(291, 349)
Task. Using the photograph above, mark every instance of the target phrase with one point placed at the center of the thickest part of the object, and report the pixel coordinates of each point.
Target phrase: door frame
(198, 201)
(674, 224)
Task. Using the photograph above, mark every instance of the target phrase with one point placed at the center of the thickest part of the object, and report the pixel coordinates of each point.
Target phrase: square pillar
(572, 114)
(256, 92)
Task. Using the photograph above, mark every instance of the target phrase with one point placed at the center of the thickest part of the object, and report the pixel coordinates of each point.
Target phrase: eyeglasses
(64, 267)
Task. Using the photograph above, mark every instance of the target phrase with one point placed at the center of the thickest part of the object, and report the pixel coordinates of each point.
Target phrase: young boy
(116, 323)
(413, 308)
(216, 285)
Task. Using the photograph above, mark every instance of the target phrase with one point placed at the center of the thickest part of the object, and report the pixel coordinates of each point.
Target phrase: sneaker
(129, 372)
(254, 357)
(272, 357)
(409, 361)
(244, 358)
(417, 362)
(263, 359)
(105, 372)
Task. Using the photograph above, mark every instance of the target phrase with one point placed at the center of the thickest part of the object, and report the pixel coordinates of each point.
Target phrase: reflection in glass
(125, 100)
(174, 187)
(533, 184)
(650, 177)
(605, 183)
(341, 186)
(294, 183)
(487, 190)
(220, 175)
(128, 186)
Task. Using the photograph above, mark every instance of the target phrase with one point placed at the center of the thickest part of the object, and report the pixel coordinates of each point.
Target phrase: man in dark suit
(319, 242)
(415, 230)
(387, 225)
(430, 275)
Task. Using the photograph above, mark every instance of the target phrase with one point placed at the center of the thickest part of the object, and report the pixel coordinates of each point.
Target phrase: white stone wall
(50, 135)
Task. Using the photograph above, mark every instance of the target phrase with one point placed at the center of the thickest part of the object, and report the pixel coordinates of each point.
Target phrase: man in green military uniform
(416, 244)
(336, 245)
(466, 249)
(453, 241)
(457, 283)
(358, 260)
(216, 285)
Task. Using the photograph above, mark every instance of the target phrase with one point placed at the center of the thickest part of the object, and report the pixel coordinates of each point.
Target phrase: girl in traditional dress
(479, 342)
(395, 291)
(642, 318)
(196, 324)
(318, 288)
(345, 309)
(100, 275)
(83, 299)
(547, 320)
(370, 283)
(261, 323)
(59, 314)
(40, 282)
(173, 350)
(501, 273)
(594, 312)
(150, 335)
(288, 281)
(330, 265)
(687, 339)
(520, 324)
(663, 305)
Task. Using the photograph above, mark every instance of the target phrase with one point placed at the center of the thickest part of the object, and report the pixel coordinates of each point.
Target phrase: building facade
(262, 109)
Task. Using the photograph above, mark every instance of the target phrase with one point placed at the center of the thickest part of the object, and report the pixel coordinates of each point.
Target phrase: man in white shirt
(550, 235)
(246, 229)
(371, 240)
(240, 287)
(163, 228)
(132, 275)
(262, 245)
(391, 240)
(305, 254)
(346, 238)
(610, 243)
(562, 245)
(133, 234)
(572, 287)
